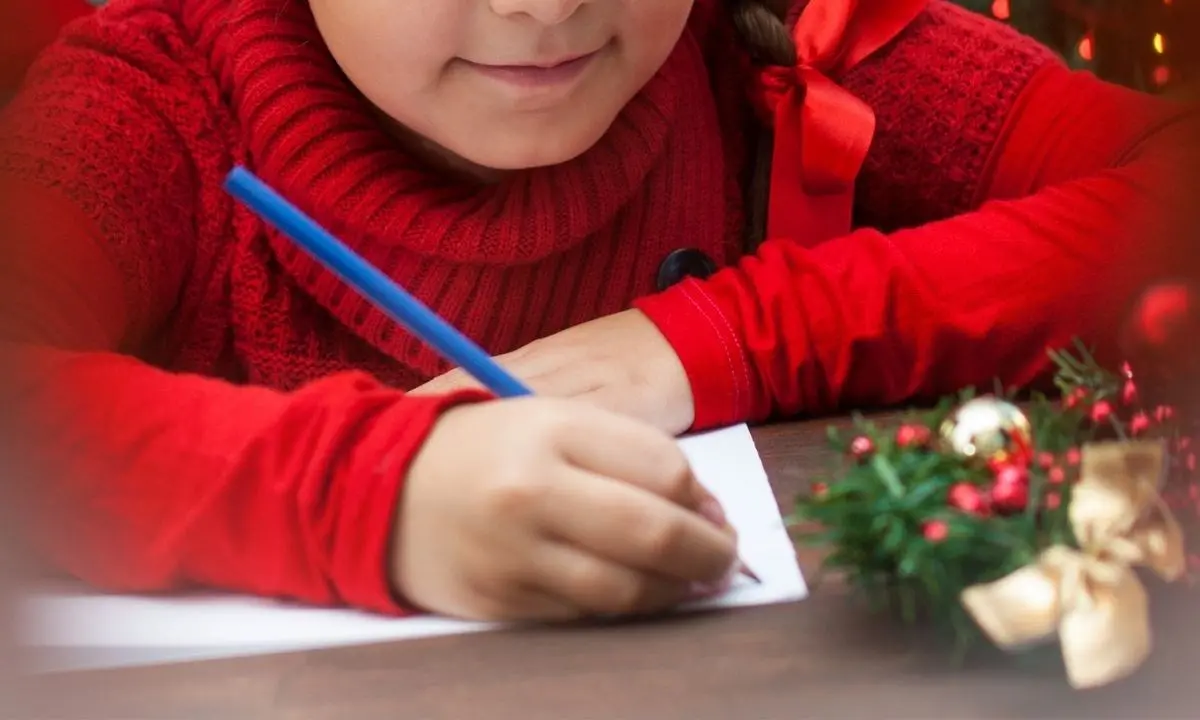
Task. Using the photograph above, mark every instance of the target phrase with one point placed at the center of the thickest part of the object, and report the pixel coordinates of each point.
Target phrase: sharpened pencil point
(745, 570)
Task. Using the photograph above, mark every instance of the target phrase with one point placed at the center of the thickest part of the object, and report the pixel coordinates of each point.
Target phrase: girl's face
(502, 84)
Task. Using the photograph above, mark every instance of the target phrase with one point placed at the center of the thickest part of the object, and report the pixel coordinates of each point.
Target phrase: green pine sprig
(873, 515)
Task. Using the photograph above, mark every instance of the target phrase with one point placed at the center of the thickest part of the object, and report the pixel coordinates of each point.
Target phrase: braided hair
(761, 26)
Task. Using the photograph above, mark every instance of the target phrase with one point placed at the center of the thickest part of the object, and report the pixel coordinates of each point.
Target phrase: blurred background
(1147, 45)
(1143, 44)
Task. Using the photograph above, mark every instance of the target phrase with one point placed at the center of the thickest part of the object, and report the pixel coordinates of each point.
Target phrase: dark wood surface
(823, 658)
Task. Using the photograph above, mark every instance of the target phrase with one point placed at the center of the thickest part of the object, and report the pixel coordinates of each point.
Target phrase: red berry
(912, 436)
(1073, 457)
(936, 530)
(1139, 424)
(1163, 413)
(1129, 393)
(1045, 460)
(1056, 475)
(1183, 442)
(1021, 453)
(1102, 411)
(1162, 315)
(1053, 500)
(1012, 475)
(1075, 398)
(1126, 370)
(861, 447)
(968, 498)
(819, 489)
(1010, 497)
(1190, 462)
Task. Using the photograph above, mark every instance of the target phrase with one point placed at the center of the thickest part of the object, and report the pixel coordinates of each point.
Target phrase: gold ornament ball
(989, 429)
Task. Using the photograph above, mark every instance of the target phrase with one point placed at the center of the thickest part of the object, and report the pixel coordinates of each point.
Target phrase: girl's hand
(545, 509)
(620, 362)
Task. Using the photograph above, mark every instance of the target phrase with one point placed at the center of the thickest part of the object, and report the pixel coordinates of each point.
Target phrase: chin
(535, 147)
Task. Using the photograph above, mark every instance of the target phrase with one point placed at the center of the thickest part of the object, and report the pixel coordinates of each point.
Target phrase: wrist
(384, 459)
(404, 555)
(664, 379)
(710, 352)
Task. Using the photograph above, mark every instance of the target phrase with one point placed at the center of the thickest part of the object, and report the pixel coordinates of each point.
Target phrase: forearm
(140, 480)
(873, 318)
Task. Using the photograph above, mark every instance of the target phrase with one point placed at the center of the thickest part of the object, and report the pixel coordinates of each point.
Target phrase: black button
(682, 263)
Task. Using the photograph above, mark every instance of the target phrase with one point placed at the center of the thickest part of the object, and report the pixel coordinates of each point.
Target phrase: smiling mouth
(538, 74)
(547, 65)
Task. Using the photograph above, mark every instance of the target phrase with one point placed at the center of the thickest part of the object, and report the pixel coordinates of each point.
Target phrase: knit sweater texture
(225, 412)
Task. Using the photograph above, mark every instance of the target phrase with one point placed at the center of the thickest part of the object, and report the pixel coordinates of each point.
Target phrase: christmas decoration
(968, 498)
(1143, 44)
(990, 430)
(1159, 338)
(1016, 524)
(1089, 596)
(1010, 489)
(913, 436)
(861, 447)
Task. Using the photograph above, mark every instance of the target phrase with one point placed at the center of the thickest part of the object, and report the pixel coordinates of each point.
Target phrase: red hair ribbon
(822, 132)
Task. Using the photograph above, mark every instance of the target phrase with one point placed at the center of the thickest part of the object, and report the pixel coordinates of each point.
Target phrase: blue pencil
(377, 288)
(380, 290)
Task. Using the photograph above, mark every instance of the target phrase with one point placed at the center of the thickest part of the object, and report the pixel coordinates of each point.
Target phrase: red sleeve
(133, 478)
(136, 479)
(139, 480)
(1083, 207)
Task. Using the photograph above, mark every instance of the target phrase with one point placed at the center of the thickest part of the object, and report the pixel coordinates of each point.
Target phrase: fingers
(543, 372)
(523, 606)
(620, 447)
(634, 528)
(512, 605)
(597, 586)
(448, 382)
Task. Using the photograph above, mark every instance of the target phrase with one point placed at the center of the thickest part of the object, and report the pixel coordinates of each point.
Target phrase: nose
(546, 12)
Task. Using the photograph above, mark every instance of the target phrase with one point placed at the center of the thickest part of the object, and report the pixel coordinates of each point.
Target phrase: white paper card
(71, 629)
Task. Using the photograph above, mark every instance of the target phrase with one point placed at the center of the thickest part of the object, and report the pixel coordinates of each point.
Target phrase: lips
(545, 64)
(538, 74)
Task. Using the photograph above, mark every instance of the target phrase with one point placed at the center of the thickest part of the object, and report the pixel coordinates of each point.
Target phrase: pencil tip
(745, 570)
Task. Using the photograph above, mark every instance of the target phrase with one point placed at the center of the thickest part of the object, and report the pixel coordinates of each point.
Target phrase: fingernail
(712, 511)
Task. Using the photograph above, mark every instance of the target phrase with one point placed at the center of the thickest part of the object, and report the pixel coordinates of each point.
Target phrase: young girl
(202, 404)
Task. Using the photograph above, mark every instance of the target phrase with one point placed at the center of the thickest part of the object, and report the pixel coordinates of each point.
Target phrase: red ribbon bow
(822, 132)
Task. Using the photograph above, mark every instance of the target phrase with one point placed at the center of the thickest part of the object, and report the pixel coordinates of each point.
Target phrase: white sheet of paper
(71, 629)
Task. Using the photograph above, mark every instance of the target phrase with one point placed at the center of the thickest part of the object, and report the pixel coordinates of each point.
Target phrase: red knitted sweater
(226, 413)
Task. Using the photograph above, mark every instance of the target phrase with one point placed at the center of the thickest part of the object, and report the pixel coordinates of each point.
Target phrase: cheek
(397, 55)
(651, 29)
(392, 52)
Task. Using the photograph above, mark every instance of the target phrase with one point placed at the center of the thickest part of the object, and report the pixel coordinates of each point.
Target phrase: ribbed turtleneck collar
(506, 262)
(312, 136)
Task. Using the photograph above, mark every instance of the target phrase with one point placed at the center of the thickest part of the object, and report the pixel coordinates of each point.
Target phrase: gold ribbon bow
(1092, 598)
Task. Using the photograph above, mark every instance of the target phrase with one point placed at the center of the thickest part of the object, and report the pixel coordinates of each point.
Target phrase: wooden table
(823, 658)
